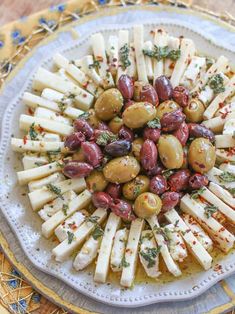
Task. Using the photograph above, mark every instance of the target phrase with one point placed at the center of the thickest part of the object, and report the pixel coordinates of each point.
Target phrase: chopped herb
(62, 105)
(32, 133)
(167, 173)
(209, 63)
(209, 210)
(150, 255)
(196, 194)
(160, 53)
(65, 209)
(176, 224)
(124, 262)
(92, 219)
(137, 190)
(54, 189)
(97, 233)
(84, 115)
(174, 54)
(105, 137)
(227, 176)
(232, 191)
(71, 96)
(155, 123)
(70, 237)
(163, 231)
(124, 53)
(38, 163)
(60, 164)
(147, 236)
(95, 64)
(217, 83)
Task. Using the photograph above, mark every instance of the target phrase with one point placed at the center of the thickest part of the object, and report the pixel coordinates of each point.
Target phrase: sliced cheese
(216, 124)
(55, 96)
(33, 101)
(223, 194)
(123, 44)
(160, 41)
(164, 250)
(131, 253)
(102, 263)
(45, 113)
(148, 45)
(195, 247)
(118, 250)
(66, 248)
(52, 179)
(176, 243)
(192, 72)
(87, 65)
(138, 31)
(20, 145)
(224, 141)
(31, 161)
(112, 51)
(173, 44)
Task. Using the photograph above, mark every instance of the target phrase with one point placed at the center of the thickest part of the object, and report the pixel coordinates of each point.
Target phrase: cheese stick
(148, 45)
(112, 51)
(51, 179)
(21, 145)
(224, 141)
(173, 44)
(98, 47)
(31, 161)
(55, 96)
(88, 66)
(195, 247)
(102, 263)
(216, 124)
(44, 136)
(123, 45)
(132, 70)
(176, 244)
(223, 194)
(47, 124)
(187, 49)
(33, 101)
(227, 167)
(192, 72)
(221, 236)
(42, 196)
(118, 250)
(66, 248)
(77, 203)
(225, 110)
(160, 41)
(229, 127)
(223, 155)
(216, 175)
(48, 114)
(61, 72)
(138, 32)
(164, 250)
(131, 253)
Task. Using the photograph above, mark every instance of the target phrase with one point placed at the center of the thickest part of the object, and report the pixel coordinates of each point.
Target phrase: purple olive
(152, 134)
(158, 184)
(126, 134)
(74, 140)
(163, 88)
(198, 130)
(114, 190)
(76, 169)
(118, 148)
(179, 180)
(197, 181)
(122, 209)
(101, 200)
(126, 86)
(169, 200)
(171, 121)
(84, 127)
(92, 153)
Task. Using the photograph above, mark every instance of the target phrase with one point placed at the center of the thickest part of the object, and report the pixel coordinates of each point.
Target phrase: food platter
(29, 229)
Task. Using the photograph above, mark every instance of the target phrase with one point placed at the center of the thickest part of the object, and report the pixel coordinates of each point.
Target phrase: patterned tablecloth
(16, 39)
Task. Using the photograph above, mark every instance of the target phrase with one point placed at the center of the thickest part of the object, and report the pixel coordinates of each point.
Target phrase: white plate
(26, 224)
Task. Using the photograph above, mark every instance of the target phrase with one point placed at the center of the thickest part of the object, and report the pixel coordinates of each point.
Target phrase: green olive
(138, 114)
(92, 119)
(170, 151)
(135, 187)
(96, 181)
(121, 169)
(115, 124)
(194, 111)
(201, 155)
(109, 104)
(136, 147)
(165, 107)
(147, 204)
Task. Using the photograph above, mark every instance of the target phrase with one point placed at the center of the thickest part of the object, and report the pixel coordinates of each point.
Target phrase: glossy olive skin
(135, 187)
(148, 155)
(96, 181)
(114, 190)
(169, 200)
(101, 200)
(76, 169)
(197, 130)
(164, 88)
(170, 151)
(137, 115)
(165, 107)
(182, 133)
(126, 134)
(158, 184)
(136, 147)
(171, 121)
(181, 95)
(115, 125)
(126, 86)
(201, 155)
(122, 209)
(197, 181)
(74, 140)
(93, 153)
(152, 134)
(81, 125)
(179, 180)
(109, 104)
(145, 92)
(118, 148)
(147, 204)
(121, 169)
(194, 111)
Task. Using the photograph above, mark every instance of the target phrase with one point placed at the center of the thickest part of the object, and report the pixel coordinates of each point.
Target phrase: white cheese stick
(31, 161)
(45, 113)
(194, 246)
(160, 41)
(123, 44)
(223, 194)
(33, 101)
(192, 72)
(65, 249)
(132, 69)
(87, 65)
(227, 167)
(61, 72)
(20, 145)
(221, 65)
(220, 98)
(87, 253)
(176, 243)
(229, 127)
(216, 124)
(98, 47)
(45, 137)
(51, 179)
(138, 32)
(228, 212)
(149, 254)
(173, 44)
(187, 50)
(221, 236)
(216, 175)
(198, 232)
(225, 109)
(223, 155)
(148, 45)
(47, 124)
(131, 253)
(224, 141)
(112, 51)
(118, 250)
(77, 203)
(44, 78)
(57, 204)
(26, 176)
(40, 197)
(55, 96)
(102, 263)
(69, 225)
(164, 250)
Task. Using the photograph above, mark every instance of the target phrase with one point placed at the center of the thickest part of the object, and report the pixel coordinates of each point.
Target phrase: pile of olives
(141, 147)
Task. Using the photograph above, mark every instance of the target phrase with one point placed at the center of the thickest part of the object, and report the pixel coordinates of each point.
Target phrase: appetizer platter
(128, 156)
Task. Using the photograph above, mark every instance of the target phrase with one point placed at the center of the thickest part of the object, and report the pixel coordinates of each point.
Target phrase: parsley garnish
(174, 54)
(124, 262)
(97, 233)
(167, 173)
(92, 219)
(196, 194)
(62, 105)
(64, 209)
(105, 137)
(39, 163)
(227, 176)
(160, 53)
(32, 133)
(70, 237)
(84, 115)
(155, 123)
(217, 84)
(150, 255)
(163, 231)
(95, 64)
(124, 53)
(209, 210)
(137, 190)
(232, 191)
(54, 189)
